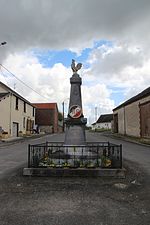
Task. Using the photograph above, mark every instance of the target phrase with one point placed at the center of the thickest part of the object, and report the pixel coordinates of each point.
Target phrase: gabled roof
(105, 118)
(137, 97)
(45, 105)
(14, 93)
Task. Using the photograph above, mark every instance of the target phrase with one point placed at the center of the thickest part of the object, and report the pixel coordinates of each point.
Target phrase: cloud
(73, 25)
(51, 83)
(97, 97)
(120, 66)
(112, 59)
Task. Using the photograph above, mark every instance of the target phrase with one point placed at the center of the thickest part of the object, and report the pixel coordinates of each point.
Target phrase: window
(33, 112)
(24, 107)
(17, 103)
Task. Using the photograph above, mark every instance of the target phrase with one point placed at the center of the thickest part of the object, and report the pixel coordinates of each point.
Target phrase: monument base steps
(79, 172)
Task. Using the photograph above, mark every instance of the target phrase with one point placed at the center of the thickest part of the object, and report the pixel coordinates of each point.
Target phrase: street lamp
(3, 43)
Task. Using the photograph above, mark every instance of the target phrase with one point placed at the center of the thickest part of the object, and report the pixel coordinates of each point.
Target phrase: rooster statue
(74, 67)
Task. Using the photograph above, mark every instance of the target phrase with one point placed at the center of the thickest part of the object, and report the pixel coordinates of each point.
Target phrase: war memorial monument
(75, 156)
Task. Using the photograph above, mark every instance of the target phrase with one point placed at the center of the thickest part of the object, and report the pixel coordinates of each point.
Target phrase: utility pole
(63, 104)
(95, 113)
(63, 109)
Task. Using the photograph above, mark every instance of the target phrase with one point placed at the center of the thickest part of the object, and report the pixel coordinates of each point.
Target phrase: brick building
(46, 117)
(133, 116)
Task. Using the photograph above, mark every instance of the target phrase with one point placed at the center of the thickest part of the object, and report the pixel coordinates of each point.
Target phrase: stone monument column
(75, 122)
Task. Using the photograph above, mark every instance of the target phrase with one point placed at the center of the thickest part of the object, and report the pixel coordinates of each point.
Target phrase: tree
(60, 116)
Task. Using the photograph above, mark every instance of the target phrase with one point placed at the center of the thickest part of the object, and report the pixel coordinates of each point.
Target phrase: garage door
(145, 119)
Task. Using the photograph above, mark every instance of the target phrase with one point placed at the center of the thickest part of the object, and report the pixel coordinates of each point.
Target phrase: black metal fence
(93, 155)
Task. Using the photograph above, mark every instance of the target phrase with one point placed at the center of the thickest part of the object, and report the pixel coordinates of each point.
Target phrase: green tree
(60, 116)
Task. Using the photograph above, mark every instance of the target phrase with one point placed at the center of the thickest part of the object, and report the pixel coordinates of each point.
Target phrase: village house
(46, 117)
(103, 122)
(16, 113)
(133, 116)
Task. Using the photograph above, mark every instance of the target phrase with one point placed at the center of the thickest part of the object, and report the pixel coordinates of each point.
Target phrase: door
(145, 119)
(15, 130)
(116, 123)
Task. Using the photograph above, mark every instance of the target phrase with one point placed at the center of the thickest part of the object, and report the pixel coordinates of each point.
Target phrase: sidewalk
(12, 140)
(141, 141)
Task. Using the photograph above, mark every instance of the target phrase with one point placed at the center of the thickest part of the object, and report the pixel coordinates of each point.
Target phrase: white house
(17, 115)
(103, 122)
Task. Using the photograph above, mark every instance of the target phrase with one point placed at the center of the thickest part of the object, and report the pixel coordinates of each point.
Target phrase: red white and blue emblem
(75, 111)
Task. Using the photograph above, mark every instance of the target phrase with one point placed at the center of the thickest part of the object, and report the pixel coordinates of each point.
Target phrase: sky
(111, 38)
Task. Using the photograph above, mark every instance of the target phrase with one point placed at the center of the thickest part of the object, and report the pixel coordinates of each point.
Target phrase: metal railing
(92, 155)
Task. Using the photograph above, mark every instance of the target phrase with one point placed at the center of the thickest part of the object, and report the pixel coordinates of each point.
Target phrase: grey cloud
(113, 62)
(65, 24)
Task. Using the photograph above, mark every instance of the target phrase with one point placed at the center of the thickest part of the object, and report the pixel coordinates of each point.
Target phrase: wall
(2, 90)
(145, 119)
(121, 120)
(129, 118)
(19, 115)
(47, 117)
(8, 114)
(45, 129)
(132, 119)
(5, 114)
(105, 125)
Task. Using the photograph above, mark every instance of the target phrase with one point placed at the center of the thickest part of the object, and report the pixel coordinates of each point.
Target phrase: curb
(7, 142)
(57, 172)
(126, 139)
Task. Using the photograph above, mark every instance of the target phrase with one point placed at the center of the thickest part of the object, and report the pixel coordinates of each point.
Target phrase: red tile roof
(45, 105)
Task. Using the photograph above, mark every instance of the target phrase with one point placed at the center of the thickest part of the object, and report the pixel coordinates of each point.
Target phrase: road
(137, 153)
(15, 155)
(74, 200)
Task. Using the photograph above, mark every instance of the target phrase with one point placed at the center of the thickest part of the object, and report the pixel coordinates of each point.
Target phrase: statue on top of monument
(74, 67)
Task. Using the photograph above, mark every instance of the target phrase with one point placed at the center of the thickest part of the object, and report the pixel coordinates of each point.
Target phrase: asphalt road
(14, 155)
(131, 151)
(74, 200)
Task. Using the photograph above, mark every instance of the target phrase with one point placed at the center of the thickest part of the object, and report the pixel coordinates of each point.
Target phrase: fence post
(46, 145)
(97, 156)
(120, 156)
(29, 156)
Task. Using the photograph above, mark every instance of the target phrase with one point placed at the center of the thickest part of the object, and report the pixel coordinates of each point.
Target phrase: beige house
(133, 116)
(17, 115)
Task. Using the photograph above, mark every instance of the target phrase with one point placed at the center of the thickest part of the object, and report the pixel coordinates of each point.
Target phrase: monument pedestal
(75, 131)
(75, 122)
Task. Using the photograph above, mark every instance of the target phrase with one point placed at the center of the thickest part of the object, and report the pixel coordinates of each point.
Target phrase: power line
(3, 73)
(21, 81)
